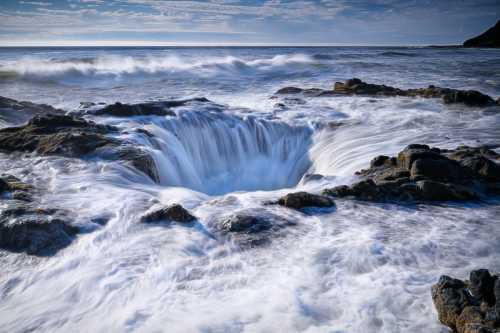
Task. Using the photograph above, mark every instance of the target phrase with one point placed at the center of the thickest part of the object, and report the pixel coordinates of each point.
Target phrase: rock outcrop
(490, 38)
(160, 108)
(422, 173)
(75, 137)
(471, 306)
(174, 212)
(357, 87)
(299, 200)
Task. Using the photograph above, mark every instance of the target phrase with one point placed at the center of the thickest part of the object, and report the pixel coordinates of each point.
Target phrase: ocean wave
(114, 65)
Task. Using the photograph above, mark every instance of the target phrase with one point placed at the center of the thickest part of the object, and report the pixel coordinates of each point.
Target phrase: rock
(4, 186)
(300, 200)
(245, 222)
(250, 228)
(75, 137)
(19, 190)
(55, 135)
(173, 212)
(289, 90)
(422, 173)
(450, 298)
(490, 38)
(34, 231)
(468, 97)
(356, 86)
(126, 110)
(441, 168)
(481, 285)
(468, 307)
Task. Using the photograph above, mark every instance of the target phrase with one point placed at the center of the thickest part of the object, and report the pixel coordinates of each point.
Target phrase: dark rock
(245, 222)
(357, 87)
(300, 200)
(467, 307)
(490, 38)
(173, 212)
(160, 108)
(468, 97)
(481, 285)
(55, 134)
(140, 160)
(4, 186)
(34, 231)
(422, 173)
(441, 168)
(289, 90)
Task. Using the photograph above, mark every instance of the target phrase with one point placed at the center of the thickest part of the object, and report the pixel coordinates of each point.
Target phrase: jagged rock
(19, 190)
(33, 230)
(356, 86)
(76, 137)
(422, 173)
(173, 212)
(468, 307)
(490, 38)
(300, 200)
(55, 135)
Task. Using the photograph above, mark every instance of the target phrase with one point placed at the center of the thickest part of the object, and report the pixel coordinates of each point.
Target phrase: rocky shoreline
(356, 86)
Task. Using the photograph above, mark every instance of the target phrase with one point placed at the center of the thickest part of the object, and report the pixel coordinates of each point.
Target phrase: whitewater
(359, 267)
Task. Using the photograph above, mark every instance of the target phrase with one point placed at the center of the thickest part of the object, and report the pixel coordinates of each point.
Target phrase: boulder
(245, 222)
(300, 200)
(468, 307)
(468, 97)
(33, 230)
(437, 191)
(173, 212)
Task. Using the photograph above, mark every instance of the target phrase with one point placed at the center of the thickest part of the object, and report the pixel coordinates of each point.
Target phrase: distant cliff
(490, 38)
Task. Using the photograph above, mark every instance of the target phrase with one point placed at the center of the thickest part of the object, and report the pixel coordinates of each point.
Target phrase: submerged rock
(490, 38)
(300, 200)
(356, 86)
(173, 212)
(422, 173)
(469, 306)
(33, 230)
(252, 228)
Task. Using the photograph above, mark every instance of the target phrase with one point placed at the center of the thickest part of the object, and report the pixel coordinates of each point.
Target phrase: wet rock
(468, 306)
(300, 200)
(468, 97)
(129, 110)
(173, 212)
(250, 228)
(55, 135)
(35, 231)
(245, 222)
(422, 173)
(356, 86)
(289, 90)
(18, 189)
(75, 137)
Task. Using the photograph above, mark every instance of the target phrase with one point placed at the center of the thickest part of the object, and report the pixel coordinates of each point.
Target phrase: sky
(245, 22)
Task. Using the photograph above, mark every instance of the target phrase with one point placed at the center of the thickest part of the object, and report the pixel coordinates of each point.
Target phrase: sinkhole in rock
(218, 154)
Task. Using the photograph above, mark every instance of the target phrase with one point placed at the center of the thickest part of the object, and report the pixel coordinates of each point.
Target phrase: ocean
(361, 267)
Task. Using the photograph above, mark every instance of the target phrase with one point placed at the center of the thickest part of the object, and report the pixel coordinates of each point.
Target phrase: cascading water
(216, 153)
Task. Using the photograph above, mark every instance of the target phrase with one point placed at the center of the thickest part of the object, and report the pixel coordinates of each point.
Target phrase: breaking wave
(115, 65)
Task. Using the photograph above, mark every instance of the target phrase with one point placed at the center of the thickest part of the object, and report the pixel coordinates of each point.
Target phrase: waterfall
(217, 153)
